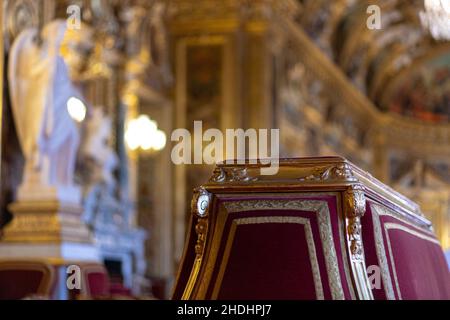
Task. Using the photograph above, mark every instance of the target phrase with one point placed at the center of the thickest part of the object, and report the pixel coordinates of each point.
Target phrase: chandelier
(436, 18)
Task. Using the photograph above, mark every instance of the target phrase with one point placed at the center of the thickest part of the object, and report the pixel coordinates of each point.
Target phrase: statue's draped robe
(40, 87)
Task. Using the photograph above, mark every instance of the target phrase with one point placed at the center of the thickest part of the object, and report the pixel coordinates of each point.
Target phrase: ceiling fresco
(424, 91)
(397, 66)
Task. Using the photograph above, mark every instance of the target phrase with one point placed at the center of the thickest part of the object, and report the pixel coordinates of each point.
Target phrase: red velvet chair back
(302, 234)
(22, 279)
(411, 260)
(277, 247)
(95, 280)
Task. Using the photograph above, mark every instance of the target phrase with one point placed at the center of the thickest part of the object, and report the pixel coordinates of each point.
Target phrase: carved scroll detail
(221, 174)
(200, 229)
(355, 207)
(339, 172)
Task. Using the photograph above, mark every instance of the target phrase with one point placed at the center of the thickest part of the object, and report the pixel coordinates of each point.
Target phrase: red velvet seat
(411, 260)
(22, 279)
(299, 234)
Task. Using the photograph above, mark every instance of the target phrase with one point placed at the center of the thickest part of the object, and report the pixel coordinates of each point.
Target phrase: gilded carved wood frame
(333, 175)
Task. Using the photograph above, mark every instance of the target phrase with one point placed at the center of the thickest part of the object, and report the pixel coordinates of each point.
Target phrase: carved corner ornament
(200, 205)
(355, 207)
(339, 172)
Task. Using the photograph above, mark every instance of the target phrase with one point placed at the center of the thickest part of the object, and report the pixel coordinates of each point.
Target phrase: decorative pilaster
(200, 208)
(354, 209)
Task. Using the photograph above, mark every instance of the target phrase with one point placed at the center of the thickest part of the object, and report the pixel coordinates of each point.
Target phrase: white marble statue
(99, 160)
(96, 147)
(40, 86)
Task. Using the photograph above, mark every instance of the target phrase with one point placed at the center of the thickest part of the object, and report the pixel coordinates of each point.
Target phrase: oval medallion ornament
(202, 204)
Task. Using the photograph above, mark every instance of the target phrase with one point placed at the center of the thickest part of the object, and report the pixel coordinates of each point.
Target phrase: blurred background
(367, 80)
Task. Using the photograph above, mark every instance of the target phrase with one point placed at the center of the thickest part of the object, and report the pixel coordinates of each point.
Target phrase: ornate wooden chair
(21, 279)
(302, 234)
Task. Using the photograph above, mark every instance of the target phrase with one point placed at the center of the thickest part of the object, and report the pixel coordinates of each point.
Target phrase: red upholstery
(119, 289)
(307, 232)
(269, 257)
(415, 265)
(95, 280)
(99, 285)
(259, 249)
(21, 279)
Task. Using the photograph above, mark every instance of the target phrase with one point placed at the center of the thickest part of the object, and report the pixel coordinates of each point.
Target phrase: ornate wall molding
(255, 9)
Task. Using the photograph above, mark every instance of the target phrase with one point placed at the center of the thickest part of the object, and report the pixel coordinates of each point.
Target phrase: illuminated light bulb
(159, 140)
(146, 126)
(76, 109)
(143, 133)
(132, 137)
(146, 145)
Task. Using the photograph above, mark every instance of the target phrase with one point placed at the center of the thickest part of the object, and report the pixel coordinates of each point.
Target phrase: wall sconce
(76, 109)
(142, 133)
